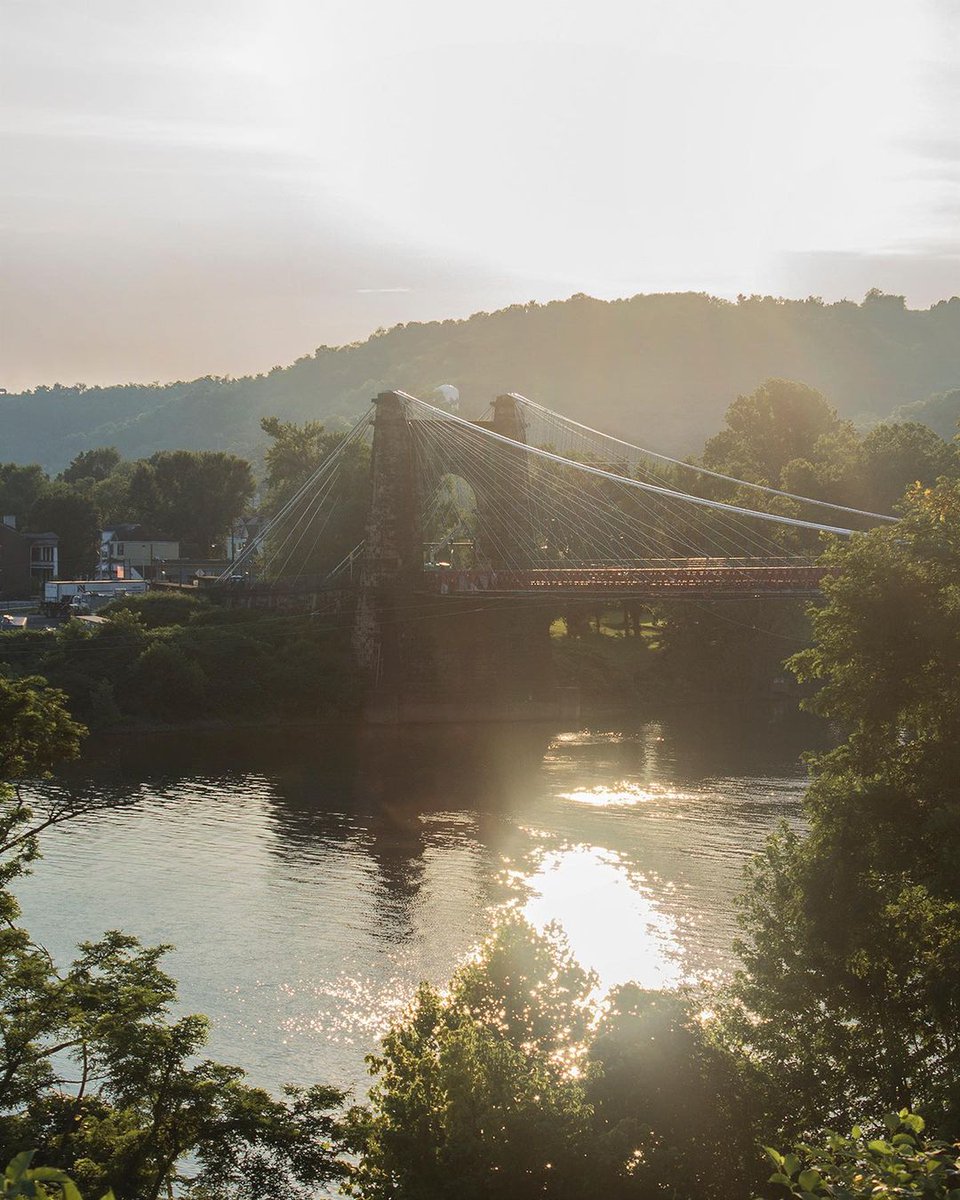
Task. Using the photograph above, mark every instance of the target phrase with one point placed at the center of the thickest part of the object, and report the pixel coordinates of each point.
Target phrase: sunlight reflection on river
(310, 879)
(613, 925)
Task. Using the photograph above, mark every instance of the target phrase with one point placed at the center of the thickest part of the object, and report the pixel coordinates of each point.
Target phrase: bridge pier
(440, 658)
(455, 660)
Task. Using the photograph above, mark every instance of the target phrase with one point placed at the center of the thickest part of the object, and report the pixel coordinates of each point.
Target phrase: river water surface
(310, 879)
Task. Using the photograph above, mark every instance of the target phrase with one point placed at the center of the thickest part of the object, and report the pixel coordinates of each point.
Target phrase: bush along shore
(174, 659)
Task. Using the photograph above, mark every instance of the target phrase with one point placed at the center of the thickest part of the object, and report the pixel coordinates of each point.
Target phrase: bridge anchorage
(479, 534)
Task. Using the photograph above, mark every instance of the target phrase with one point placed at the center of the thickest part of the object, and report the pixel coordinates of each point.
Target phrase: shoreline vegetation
(166, 661)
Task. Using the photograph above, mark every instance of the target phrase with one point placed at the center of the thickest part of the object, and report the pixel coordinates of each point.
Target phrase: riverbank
(162, 664)
(174, 661)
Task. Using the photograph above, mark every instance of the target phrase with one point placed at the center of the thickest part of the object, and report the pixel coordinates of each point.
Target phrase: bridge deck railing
(702, 575)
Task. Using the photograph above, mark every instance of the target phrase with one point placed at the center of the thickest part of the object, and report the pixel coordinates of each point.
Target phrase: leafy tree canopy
(73, 518)
(474, 1094)
(20, 488)
(664, 362)
(145, 1100)
(294, 455)
(768, 428)
(870, 1000)
(191, 495)
(95, 465)
(900, 1161)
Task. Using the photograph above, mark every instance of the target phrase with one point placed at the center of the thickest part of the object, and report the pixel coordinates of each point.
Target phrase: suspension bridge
(478, 533)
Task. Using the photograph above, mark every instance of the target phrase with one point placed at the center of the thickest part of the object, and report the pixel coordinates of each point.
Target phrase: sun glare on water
(621, 795)
(612, 924)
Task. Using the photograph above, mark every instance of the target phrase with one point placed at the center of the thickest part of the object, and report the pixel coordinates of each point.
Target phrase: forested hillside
(940, 411)
(661, 368)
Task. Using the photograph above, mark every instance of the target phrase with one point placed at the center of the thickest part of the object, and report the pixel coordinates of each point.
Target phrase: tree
(94, 465)
(786, 435)
(858, 1015)
(721, 648)
(899, 1161)
(770, 427)
(295, 453)
(145, 1100)
(20, 488)
(898, 455)
(191, 495)
(63, 510)
(674, 1112)
(20, 1179)
(884, 645)
(111, 495)
(474, 1094)
(36, 731)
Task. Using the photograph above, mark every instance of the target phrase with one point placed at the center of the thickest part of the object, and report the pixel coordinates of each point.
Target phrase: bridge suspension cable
(625, 481)
(560, 421)
(585, 501)
(299, 514)
(538, 513)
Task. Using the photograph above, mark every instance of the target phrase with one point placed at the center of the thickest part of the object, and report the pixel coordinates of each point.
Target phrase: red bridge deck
(698, 577)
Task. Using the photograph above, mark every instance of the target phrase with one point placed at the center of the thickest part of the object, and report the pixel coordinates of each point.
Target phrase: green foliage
(146, 1099)
(157, 608)
(845, 1017)
(92, 465)
(684, 356)
(779, 422)
(897, 455)
(20, 488)
(674, 1112)
(211, 662)
(603, 667)
(72, 517)
(145, 1113)
(901, 1162)
(885, 645)
(847, 1002)
(36, 731)
(475, 1093)
(941, 412)
(295, 453)
(722, 649)
(191, 495)
(166, 683)
(516, 1081)
(111, 496)
(20, 1179)
(786, 435)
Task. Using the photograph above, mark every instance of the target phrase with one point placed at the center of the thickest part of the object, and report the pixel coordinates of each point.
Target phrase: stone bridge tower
(455, 657)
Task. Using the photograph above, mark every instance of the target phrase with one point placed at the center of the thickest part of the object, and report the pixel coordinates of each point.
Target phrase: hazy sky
(217, 186)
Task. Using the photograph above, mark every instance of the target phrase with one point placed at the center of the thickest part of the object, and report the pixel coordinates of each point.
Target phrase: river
(308, 879)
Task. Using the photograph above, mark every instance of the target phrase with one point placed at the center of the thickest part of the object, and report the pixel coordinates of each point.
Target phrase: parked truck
(61, 597)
